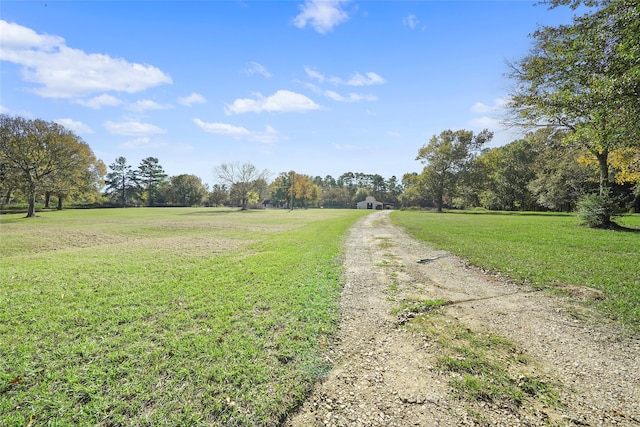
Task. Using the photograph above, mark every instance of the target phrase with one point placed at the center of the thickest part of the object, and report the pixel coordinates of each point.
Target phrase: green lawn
(170, 316)
(544, 250)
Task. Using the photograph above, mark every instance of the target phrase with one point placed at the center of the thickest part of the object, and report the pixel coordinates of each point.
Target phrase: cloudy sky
(319, 87)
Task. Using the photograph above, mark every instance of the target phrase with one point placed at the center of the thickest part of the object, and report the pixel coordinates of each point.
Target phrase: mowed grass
(546, 250)
(158, 317)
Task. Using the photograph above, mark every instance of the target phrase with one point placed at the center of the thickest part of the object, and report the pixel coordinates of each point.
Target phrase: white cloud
(97, 102)
(74, 125)
(143, 142)
(498, 104)
(282, 101)
(490, 114)
(411, 21)
(222, 129)
(368, 79)
(352, 97)
(393, 134)
(133, 128)
(194, 98)
(143, 105)
(316, 75)
(322, 15)
(270, 135)
(4, 110)
(256, 68)
(485, 122)
(65, 72)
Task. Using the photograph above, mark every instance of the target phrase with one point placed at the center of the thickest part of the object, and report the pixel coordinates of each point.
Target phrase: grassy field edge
(166, 317)
(543, 250)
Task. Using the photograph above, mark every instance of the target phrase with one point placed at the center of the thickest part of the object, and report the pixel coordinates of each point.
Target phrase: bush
(597, 211)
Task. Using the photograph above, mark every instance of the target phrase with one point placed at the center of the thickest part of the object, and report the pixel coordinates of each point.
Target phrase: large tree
(151, 176)
(242, 178)
(39, 155)
(508, 170)
(122, 182)
(218, 195)
(82, 179)
(303, 191)
(585, 78)
(447, 156)
(187, 190)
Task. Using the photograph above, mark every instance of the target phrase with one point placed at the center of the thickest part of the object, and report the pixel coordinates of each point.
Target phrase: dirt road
(386, 373)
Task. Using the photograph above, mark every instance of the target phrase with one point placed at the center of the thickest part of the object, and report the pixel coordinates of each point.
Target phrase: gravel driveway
(384, 372)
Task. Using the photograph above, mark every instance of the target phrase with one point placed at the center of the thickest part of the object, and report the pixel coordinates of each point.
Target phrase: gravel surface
(384, 372)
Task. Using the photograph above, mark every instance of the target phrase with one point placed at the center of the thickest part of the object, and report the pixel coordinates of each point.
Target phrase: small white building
(370, 203)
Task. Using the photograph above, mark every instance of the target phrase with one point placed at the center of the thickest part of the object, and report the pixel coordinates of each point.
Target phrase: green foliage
(542, 250)
(152, 178)
(584, 78)
(448, 157)
(122, 185)
(186, 190)
(38, 156)
(166, 316)
(597, 211)
(419, 306)
(484, 366)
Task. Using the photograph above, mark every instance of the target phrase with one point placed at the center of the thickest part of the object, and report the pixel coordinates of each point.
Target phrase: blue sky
(319, 87)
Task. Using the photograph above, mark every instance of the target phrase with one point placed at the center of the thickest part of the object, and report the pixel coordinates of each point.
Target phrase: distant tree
(348, 181)
(415, 191)
(446, 157)
(378, 186)
(336, 197)
(328, 182)
(218, 196)
(187, 190)
(151, 177)
(243, 179)
(279, 190)
(122, 182)
(37, 154)
(509, 170)
(303, 190)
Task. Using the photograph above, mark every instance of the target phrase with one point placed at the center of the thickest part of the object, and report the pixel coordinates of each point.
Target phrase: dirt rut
(385, 374)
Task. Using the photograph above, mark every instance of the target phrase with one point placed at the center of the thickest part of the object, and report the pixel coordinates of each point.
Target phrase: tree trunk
(438, 199)
(59, 207)
(124, 192)
(31, 212)
(604, 171)
(47, 198)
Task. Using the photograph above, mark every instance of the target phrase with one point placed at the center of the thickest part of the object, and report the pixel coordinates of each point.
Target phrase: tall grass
(165, 316)
(543, 249)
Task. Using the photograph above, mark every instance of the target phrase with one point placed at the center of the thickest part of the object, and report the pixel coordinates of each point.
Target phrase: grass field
(548, 250)
(165, 316)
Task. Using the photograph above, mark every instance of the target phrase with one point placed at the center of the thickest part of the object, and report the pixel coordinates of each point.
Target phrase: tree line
(577, 92)
(540, 172)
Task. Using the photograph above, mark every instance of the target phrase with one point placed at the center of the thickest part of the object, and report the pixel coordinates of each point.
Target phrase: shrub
(597, 211)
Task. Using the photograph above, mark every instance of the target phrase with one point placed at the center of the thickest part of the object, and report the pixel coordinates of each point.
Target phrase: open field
(546, 250)
(165, 316)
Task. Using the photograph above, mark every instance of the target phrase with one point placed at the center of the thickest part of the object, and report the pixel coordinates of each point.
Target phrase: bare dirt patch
(386, 368)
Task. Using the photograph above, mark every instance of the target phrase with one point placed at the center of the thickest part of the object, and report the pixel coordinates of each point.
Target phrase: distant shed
(370, 203)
